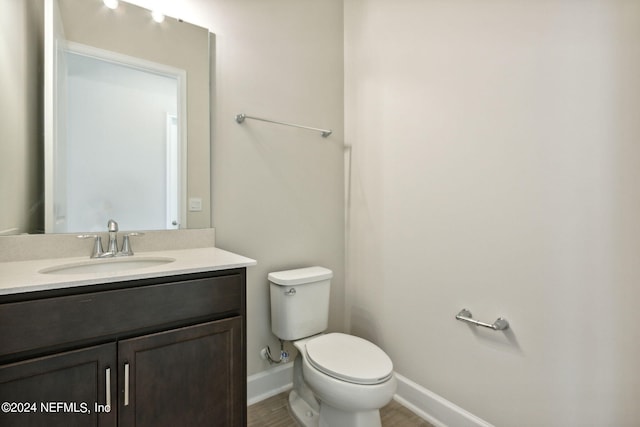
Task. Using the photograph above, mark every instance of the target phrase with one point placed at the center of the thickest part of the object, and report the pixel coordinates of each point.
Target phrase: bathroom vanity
(156, 346)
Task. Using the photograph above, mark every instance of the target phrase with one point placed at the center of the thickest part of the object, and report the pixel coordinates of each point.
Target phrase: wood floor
(273, 412)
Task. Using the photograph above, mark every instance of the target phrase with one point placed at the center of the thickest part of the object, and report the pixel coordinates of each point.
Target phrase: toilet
(339, 380)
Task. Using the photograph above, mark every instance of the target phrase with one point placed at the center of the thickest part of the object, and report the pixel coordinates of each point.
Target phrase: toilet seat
(349, 358)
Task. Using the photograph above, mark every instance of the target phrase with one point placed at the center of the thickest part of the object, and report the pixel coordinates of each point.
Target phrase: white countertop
(23, 276)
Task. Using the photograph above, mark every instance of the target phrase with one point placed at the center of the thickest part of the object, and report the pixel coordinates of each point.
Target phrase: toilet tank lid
(300, 276)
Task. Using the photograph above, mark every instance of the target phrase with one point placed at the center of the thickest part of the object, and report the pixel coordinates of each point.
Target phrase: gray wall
(278, 191)
(495, 167)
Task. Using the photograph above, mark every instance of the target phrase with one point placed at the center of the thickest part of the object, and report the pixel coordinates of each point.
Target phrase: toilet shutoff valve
(265, 353)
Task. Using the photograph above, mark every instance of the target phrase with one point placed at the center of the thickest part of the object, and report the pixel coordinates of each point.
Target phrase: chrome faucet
(97, 251)
(113, 238)
(112, 250)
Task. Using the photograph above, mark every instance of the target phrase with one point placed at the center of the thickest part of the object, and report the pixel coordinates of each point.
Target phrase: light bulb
(111, 4)
(157, 16)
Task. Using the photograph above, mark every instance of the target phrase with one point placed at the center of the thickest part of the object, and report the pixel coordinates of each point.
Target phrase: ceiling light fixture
(111, 4)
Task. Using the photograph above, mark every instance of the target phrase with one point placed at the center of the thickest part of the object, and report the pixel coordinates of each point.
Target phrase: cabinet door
(64, 389)
(191, 376)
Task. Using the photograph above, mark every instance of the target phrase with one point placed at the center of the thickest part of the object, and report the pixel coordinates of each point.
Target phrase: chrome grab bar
(499, 325)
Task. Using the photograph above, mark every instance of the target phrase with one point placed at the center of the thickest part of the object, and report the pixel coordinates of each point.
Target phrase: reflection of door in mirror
(112, 161)
(173, 173)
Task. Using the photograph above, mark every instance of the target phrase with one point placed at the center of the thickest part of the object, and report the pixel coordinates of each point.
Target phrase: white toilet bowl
(339, 380)
(351, 377)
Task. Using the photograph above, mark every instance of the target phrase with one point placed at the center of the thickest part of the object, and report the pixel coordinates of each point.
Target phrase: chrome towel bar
(499, 325)
(241, 117)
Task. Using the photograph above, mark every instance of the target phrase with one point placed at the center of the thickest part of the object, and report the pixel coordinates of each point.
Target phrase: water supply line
(284, 356)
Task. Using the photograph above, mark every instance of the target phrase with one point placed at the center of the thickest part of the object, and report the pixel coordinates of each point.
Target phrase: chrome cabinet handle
(126, 384)
(107, 380)
(499, 325)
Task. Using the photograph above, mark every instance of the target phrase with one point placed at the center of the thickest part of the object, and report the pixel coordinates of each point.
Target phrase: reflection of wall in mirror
(21, 191)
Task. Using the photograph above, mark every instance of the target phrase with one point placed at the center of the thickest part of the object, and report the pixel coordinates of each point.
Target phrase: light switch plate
(195, 204)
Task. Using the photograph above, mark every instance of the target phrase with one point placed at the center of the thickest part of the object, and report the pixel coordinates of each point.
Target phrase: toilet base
(304, 414)
(331, 417)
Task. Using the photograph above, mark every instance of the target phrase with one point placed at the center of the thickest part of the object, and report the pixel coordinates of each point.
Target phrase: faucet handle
(126, 245)
(97, 245)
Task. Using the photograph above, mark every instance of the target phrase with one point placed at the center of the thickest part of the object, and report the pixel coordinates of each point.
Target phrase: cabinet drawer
(30, 325)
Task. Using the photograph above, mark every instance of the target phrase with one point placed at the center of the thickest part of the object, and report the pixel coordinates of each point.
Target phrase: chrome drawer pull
(107, 374)
(126, 384)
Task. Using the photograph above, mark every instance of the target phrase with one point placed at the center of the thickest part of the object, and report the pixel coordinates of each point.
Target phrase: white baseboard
(268, 383)
(424, 403)
(432, 407)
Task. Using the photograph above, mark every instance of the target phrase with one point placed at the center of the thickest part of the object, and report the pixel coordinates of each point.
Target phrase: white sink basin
(107, 265)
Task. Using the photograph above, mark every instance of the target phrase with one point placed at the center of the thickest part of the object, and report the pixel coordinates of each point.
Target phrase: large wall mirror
(114, 122)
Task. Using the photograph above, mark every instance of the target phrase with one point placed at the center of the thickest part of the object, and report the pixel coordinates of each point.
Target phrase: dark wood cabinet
(188, 376)
(160, 352)
(37, 390)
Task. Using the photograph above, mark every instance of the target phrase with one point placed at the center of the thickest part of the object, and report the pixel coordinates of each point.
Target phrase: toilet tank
(299, 302)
